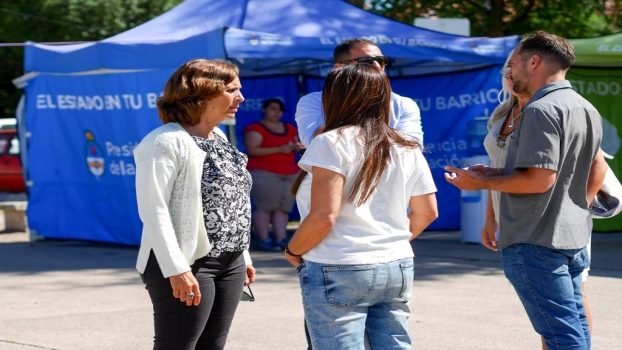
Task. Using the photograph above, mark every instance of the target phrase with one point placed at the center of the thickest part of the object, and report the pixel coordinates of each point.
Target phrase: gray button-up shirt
(561, 131)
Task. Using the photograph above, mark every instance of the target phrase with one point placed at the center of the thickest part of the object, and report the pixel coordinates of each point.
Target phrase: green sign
(603, 88)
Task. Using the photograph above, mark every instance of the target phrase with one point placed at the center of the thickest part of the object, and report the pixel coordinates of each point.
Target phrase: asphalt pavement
(81, 295)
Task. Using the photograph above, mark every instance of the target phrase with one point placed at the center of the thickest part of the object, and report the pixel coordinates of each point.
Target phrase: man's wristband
(289, 252)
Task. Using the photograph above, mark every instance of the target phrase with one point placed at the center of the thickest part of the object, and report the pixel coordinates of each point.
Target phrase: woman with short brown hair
(193, 193)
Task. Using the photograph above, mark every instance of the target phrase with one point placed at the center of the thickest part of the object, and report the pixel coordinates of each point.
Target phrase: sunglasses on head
(247, 296)
(381, 60)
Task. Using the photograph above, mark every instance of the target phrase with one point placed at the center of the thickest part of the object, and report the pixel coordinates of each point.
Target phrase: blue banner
(449, 103)
(83, 130)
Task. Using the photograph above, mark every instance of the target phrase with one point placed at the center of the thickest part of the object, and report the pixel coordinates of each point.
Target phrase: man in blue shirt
(405, 115)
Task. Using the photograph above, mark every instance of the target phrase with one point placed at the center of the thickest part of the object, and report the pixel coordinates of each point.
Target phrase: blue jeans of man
(349, 305)
(548, 283)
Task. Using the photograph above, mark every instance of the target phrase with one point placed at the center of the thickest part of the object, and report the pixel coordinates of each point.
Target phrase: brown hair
(552, 48)
(360, 95)
(191, 86)
(267, 102)
(342, 51)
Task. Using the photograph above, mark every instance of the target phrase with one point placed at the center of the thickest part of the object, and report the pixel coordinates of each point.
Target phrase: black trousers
(206, 326)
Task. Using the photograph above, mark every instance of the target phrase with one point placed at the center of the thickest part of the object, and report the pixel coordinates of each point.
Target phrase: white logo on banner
(94, 156)
(599, 88)
(121, 158)
(96, 102)
(443, 103)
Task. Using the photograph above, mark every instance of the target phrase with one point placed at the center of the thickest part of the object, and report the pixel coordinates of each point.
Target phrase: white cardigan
(169, 167)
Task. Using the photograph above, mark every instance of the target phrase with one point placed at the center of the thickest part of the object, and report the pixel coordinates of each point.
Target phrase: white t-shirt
(377, 231)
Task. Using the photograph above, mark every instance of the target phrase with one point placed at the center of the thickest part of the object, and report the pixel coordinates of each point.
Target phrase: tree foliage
(62, 21)
(87, 20)
(571, 19)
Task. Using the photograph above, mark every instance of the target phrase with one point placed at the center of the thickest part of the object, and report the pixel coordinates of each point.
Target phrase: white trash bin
(473, 205)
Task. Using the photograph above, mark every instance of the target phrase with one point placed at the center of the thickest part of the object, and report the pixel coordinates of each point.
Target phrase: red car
(11, 174)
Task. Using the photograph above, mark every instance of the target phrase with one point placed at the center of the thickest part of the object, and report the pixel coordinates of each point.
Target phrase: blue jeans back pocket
(408, 275)
(349, 285)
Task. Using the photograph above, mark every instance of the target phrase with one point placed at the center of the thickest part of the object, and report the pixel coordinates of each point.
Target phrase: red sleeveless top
(278, 163)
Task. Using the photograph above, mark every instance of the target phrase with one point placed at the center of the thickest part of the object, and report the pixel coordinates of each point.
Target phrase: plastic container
(473, 205)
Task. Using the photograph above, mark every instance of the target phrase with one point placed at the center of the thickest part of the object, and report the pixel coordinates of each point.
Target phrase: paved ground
(78, 295)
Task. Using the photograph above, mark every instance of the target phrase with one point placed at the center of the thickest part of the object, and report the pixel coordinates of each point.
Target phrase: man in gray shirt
(544, 223)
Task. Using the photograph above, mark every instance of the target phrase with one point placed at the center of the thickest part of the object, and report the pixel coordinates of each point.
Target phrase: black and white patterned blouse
(225, 189)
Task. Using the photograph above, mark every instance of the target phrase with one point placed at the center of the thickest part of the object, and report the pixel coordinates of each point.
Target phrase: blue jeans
(548, 283)
(349, 305)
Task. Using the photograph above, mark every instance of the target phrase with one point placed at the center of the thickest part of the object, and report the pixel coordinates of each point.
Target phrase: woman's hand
(489, 239)
(298, 146)
(186, 288)
(488, 234)
(250, 274)
(287, 148)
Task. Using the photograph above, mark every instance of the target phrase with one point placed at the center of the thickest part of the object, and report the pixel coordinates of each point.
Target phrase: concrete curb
(13, 217)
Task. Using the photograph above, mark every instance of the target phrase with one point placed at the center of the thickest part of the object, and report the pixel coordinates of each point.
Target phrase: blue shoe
(267, 245)
(282, 243)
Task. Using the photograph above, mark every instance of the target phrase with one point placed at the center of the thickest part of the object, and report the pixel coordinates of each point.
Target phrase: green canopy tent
(605, 51)
(597, 76)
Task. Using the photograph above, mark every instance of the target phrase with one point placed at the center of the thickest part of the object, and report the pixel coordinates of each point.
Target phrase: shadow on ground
(438, 254)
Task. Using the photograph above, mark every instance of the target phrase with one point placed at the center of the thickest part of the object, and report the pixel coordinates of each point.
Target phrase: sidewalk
(77, 295)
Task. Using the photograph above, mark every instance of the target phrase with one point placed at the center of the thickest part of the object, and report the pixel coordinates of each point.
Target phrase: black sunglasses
(247, 296)
(381, 60)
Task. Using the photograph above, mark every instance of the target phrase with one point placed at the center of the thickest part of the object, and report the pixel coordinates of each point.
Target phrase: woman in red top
(271, 146)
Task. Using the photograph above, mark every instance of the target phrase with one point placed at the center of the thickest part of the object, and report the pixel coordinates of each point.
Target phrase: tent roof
(312, 18)
(268, 37)
(257, 52)
(605, 51)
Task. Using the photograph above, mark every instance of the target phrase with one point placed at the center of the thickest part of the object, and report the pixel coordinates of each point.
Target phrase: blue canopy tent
(269, 34)
(87, 105)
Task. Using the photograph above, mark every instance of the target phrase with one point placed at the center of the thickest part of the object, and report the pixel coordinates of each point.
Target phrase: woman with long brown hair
(352, 248)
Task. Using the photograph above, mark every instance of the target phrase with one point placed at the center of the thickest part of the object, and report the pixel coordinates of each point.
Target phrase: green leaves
(571, 19)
